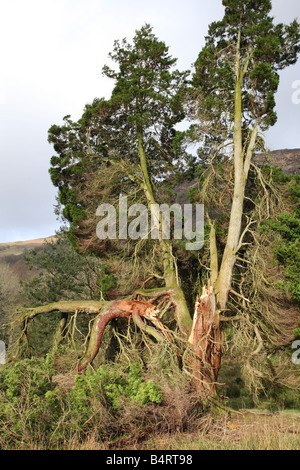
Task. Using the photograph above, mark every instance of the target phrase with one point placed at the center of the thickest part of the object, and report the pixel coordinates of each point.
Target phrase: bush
(34, 410)
(44, 405)
(22, 411)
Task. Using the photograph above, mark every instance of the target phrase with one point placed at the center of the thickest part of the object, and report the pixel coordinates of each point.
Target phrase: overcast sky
(52, 54)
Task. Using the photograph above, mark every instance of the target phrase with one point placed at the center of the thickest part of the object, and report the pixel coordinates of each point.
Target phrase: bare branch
(250, 150)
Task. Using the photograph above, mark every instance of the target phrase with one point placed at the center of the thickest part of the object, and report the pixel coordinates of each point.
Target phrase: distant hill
(17, 248)
(12, 253)
(286, 159)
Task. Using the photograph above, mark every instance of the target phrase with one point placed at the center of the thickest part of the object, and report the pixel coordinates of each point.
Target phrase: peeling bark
(96, 336)
(136, 309)
(205, 339)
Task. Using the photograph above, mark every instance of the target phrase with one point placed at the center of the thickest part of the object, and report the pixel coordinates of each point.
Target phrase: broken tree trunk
(205, 338)
(65, 307)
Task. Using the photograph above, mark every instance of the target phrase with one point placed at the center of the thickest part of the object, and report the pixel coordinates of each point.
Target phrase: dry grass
(249, 431)
(179, 424)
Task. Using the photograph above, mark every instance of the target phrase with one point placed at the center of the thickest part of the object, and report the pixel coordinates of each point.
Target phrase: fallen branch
(105, 311)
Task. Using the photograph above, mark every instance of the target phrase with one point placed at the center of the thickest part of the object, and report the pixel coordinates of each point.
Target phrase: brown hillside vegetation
(12, 253)
(19, 246)
(286, 159)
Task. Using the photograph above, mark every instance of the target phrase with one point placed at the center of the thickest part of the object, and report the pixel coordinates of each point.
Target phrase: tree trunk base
(204, 358)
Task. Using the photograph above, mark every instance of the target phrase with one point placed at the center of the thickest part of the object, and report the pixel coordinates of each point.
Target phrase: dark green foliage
(22, 410)
(114, 386)
(27, 379)
(63, 274)
(68, 145)
(287, 251)
(285, 399)
(276, 174)
(294, 193)
(145, 84)
(287, 225)
(265, 48)
(98, 156)
(107, 280)
(34, 409)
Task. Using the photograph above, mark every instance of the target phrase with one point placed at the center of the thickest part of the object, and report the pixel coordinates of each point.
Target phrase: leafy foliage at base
(34, 408)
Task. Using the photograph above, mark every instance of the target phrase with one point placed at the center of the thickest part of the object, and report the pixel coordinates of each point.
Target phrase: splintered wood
(205, 340)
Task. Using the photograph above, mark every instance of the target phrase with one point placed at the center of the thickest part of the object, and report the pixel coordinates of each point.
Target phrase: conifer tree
(236, 78)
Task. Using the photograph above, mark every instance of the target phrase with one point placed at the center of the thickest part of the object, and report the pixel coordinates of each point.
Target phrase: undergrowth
(112, 401)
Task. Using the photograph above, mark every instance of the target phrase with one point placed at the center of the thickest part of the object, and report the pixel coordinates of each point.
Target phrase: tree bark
(169, 264)
(60, 332)
(241, 160)
(96, 336)
(205, 338)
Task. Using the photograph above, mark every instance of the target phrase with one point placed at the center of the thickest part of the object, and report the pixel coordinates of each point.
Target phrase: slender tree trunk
(60, 332)
(224, 279)
(184, 319)
(241, 160)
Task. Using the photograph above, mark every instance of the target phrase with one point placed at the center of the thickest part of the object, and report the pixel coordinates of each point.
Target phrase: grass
(248, 431)
(251, 430)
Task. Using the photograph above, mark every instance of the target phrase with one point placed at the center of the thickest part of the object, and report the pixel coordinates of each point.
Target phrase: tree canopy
(248, 49)
(125, 142)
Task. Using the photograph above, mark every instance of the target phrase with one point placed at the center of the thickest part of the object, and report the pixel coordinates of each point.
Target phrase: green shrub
(33, 409)
(22, 411)
(27, 379)
(113, 385)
